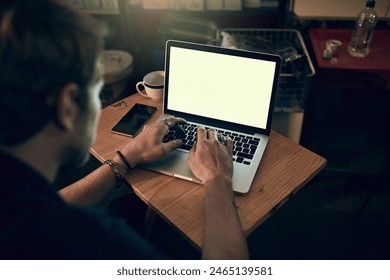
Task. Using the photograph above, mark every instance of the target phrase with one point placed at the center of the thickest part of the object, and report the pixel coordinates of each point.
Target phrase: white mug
(153, 84)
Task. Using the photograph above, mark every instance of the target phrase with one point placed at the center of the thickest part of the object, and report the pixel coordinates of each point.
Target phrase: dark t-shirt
(35, 223)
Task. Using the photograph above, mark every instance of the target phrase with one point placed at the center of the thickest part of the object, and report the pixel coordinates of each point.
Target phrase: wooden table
(371, 71)
(377, 60)
(285, 168)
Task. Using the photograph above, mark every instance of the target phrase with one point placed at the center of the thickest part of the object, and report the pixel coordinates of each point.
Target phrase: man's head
(44, 45)
(48, 51)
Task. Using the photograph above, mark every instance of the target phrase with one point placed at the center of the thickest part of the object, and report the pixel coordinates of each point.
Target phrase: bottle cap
(370, 3)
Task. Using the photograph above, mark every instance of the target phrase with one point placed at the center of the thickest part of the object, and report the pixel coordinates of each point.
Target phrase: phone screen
(134, 120)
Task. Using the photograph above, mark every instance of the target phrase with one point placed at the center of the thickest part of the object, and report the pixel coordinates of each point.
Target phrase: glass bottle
(364, 30)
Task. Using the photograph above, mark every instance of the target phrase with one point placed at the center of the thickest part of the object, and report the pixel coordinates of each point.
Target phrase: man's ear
(67, 108)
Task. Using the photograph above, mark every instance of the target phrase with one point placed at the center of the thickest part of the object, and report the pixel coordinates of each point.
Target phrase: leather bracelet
(118, 176)
(125, 162)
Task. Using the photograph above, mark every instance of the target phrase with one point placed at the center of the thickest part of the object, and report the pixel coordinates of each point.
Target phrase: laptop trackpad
(173, 164)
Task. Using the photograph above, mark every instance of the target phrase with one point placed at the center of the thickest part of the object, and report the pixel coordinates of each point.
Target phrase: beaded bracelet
(118, 176)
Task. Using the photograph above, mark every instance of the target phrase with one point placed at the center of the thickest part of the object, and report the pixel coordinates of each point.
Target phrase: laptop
(230, 90)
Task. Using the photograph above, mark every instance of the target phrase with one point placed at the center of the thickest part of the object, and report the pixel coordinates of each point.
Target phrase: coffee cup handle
(138, 89)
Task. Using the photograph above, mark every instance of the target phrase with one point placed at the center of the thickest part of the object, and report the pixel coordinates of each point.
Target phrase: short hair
(44, 44)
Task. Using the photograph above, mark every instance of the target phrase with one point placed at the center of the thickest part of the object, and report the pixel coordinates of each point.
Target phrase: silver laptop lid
(221, 87)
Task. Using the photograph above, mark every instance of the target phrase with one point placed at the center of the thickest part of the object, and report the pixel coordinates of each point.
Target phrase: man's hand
(148, 146)
(209, 159)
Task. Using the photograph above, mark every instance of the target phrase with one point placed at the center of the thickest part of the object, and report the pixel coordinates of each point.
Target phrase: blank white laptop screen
(220, 86)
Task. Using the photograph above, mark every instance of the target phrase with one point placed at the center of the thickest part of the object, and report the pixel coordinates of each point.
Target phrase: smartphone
(134, 120)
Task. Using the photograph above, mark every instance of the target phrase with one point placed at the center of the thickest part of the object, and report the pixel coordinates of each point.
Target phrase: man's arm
(147, 146)
(223, 236)
(211, 162)
(91, 189)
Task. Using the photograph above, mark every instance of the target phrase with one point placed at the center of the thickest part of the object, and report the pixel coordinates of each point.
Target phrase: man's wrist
(219, 193)
(125, 162)
(118, 175)
(221, 182)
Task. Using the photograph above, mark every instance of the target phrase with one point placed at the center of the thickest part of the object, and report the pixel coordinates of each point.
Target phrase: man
(50, 81)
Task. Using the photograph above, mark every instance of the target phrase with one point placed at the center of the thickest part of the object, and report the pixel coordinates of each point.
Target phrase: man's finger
(178, 129)
(213, 135)
(202, 135)
(172, 145)
(174, 124)
(176, 121)
(229, 144)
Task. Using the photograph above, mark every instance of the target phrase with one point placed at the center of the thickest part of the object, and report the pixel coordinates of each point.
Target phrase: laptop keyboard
(244, 146)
